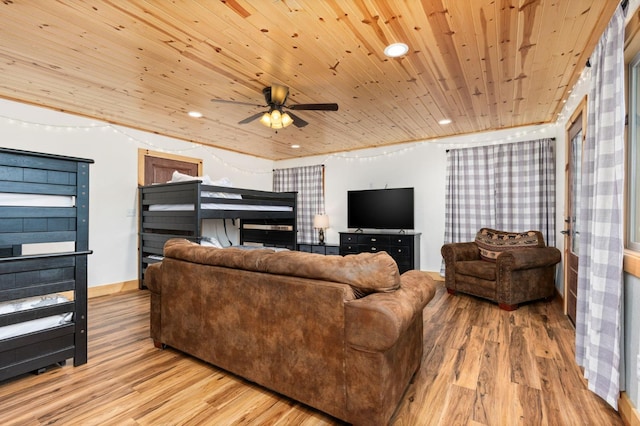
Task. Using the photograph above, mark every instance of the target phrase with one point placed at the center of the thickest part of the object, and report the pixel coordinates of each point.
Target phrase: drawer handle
(374, 249)
(373, 240)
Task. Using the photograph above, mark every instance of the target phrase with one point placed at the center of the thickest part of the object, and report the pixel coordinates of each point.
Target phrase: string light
(129, 137)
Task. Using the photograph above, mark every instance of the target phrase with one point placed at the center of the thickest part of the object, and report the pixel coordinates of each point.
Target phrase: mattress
(19, 329)
(220, 206)
(36, 200)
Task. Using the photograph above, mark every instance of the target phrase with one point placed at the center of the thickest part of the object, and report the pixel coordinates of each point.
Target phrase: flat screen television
(380, 209)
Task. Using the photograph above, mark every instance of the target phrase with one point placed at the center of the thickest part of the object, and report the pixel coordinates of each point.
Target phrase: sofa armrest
(375, 322)
(152, 277)
(528, 258)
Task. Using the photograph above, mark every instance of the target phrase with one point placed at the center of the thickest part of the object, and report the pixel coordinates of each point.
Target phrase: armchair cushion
(492, 242)
(477, 268)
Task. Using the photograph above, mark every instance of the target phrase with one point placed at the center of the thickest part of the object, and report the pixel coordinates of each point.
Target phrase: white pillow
(223, 182)
(206, 180)
(210, 242)
(181, 177)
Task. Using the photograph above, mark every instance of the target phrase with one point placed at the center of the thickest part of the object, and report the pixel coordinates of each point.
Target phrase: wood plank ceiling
(484, 64)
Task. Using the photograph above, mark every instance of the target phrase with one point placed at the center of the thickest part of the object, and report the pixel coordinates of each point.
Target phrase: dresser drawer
(348, 239)
(401, 240)
(317, 249)
(304, 247)
(373, 239)
(349, 249)
(372, 248)
(399, 251)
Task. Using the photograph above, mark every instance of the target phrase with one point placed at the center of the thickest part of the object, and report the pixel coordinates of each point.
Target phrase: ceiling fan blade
(314, 107)
(279, 94)
(297, 121)
(250, 119)
(224, 101)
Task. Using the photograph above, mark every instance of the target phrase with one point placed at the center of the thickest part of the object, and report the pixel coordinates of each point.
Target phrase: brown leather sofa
(340, 334)
(506, 267)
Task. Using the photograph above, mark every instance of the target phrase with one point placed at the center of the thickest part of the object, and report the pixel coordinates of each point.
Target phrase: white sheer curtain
(307, 181)
(600, 219)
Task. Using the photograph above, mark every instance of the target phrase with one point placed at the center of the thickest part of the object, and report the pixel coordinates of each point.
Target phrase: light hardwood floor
(481, 366)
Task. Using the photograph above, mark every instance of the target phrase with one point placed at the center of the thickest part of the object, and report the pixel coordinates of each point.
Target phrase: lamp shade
(321, 221)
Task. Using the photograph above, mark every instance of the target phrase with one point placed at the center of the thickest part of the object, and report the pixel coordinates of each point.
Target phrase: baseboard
(628, 412)
(105, 290)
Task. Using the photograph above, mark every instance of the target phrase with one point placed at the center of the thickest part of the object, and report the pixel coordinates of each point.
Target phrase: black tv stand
(404, 247)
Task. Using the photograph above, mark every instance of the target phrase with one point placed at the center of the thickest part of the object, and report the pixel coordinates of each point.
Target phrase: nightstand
(319, 248)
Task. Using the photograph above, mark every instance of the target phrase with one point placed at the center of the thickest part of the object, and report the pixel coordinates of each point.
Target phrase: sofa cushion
(491, 242)
(365, 272)
(477, 268)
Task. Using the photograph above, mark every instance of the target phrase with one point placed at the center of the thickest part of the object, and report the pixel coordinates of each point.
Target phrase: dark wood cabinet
(404, 248)
(319, 248)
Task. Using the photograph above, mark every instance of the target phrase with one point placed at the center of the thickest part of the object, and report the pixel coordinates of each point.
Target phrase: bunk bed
(44, 229)
(177, 209)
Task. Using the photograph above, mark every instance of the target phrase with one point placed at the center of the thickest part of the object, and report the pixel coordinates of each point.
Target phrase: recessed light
(445, 121)
(195, 114)
(295, 146)
(396, 49)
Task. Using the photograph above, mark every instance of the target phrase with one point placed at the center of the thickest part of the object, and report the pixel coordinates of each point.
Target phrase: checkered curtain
(601, 218)
(509, 187)
(308, 182)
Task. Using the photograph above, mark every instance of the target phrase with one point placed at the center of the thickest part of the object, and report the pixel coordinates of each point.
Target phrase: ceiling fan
(275, 97)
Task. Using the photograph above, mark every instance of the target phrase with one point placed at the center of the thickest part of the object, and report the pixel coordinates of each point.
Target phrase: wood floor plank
(481, 366)
(469, 358)
(520, 357)
(483, 408)
(458, 406)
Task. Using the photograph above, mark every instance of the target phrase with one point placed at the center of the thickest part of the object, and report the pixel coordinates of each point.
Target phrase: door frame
(581, 108)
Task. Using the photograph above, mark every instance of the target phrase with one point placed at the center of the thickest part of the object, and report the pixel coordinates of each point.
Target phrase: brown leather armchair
(505, 267)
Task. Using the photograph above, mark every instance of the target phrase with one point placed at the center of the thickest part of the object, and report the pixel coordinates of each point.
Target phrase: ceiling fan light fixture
(266, 119)
(286, 120)
(395, 50)
(275, 119)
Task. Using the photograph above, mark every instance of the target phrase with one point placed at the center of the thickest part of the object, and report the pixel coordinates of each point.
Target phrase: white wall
(114, 176)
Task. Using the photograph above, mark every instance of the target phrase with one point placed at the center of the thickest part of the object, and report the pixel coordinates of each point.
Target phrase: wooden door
(575, 138)
(158, 167)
